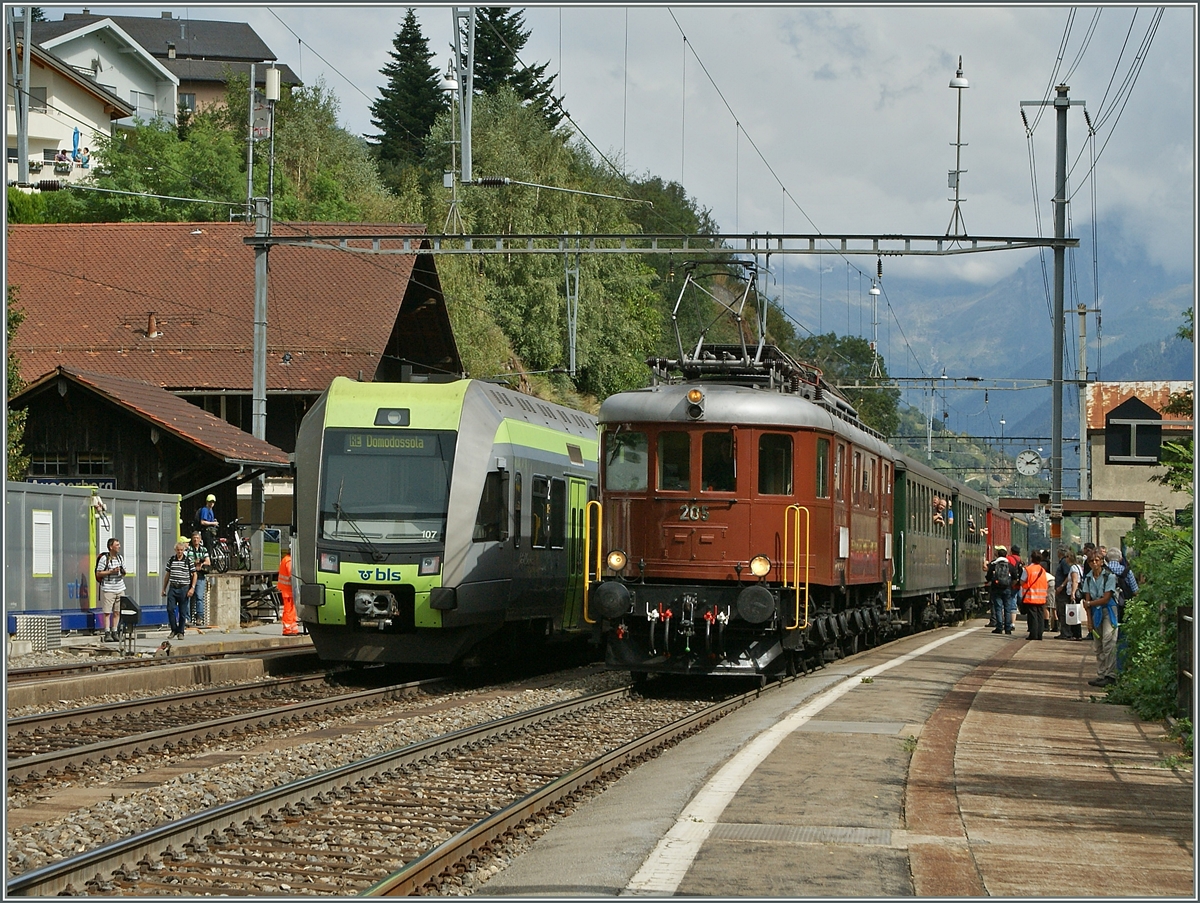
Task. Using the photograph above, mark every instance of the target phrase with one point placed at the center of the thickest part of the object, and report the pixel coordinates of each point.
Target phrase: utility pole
(263, 212)
(20, 75)
(464, 62)
(960, 84)
(1085, 451)
(250, 150)
(1062, 103)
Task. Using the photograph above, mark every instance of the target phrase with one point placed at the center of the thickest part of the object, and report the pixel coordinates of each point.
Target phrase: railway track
(81, 669)
(48, 732)
(121, 732)
(423, 808)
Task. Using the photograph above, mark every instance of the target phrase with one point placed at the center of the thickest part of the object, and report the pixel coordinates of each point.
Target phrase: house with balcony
(103, 50)
(61, 100)
(200, 54)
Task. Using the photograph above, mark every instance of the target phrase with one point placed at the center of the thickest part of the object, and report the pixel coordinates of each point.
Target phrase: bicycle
(235, 554)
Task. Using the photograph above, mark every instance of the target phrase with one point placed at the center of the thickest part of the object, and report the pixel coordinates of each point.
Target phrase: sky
(805, 118)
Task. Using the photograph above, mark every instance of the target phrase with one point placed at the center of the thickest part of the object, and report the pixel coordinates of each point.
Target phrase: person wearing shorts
(110, 574)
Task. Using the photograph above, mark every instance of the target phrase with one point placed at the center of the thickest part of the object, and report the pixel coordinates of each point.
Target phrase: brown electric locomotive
(745, 524)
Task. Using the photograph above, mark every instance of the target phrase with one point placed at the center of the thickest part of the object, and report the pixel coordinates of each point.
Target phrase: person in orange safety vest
(291, 626)
(1036, 586)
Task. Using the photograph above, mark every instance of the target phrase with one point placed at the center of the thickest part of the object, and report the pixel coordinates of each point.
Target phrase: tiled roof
(202, 38)
(88, 292)
(187, 421)
(1104, 397)
(219, 70)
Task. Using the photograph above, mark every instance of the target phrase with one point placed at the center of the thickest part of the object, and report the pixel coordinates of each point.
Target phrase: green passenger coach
(439, 520)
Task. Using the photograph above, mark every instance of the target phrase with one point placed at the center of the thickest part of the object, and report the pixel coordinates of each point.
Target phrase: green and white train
(439, 521)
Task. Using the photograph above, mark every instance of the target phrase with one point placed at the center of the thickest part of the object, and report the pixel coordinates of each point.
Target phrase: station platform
(952, 763)
(195, 641)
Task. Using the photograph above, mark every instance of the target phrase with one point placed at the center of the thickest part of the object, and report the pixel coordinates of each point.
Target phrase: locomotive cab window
(491, 521)
(626, 455)
(674, 464)
(718, 471)
(774, 464)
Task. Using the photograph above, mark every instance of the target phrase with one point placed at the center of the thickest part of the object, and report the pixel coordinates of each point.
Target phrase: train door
(577, 495)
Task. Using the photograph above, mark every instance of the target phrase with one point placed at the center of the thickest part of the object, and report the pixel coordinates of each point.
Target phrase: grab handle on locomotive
(588, 550)
(791, 528)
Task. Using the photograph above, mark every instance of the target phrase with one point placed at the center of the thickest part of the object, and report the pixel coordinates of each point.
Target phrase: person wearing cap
(206, 522)
(1099, 597)
(1127, 584)
(999, 582)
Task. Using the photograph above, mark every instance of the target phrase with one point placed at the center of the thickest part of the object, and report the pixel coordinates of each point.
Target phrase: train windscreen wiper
(376, 555)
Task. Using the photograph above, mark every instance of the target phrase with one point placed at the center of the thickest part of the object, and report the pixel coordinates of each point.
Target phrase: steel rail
(150, 703)
(421, 872)
(25, 675)
(60, 760)
(55, 878)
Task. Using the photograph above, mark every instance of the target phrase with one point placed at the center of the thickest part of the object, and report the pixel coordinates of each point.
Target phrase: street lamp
(1001, 433)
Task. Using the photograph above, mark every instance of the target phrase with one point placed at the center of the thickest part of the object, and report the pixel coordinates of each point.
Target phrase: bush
(1163, 562)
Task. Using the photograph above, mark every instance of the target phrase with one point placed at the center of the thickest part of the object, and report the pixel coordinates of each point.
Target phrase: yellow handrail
(587, 551)
(793, 521)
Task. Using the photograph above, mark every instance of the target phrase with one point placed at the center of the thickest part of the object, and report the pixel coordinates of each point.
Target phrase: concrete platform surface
(953, 763)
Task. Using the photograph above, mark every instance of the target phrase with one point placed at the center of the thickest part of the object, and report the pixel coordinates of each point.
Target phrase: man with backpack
(110, 574)
(1127, 585)
(1000, 580)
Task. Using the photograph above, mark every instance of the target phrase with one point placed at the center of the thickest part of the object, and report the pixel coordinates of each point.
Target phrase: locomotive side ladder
(791, 552)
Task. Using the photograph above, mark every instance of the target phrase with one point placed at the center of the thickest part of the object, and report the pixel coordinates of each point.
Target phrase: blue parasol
(75, 145)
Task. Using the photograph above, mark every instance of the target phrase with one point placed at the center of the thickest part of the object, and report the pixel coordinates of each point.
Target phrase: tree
(500, 35)
(412, 99)
(848, 359)
(17, 462)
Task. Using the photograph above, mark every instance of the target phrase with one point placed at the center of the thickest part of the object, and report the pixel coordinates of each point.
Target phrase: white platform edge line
(668, 863)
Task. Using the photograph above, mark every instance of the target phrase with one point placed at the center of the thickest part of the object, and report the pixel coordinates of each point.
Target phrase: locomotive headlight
(695, 408)
(328, 561)
(760, 565)
(617, 560)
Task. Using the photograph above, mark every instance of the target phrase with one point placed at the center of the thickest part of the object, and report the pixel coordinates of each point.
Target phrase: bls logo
(380, 575)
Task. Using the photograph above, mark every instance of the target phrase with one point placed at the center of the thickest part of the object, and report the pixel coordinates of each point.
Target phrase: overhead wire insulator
(1025, 119)
(49, 185)
(880, 261)
(1088, 120)
(491, 181)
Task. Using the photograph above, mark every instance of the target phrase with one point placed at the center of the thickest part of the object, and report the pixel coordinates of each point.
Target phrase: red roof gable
(187, 421)
(89, 290)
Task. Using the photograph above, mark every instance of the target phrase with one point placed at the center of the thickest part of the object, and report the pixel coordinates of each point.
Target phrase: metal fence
(1184, 633)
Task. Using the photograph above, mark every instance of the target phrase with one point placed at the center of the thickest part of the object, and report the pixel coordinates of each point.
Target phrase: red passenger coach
(999, 525)
(745, 521)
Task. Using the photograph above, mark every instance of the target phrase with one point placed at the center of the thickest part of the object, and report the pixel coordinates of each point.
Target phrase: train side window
(822, 468)
(558, 513)
(626, 454)
(491, 521)
(774, 464)
(839, 460)
(718, 471)
(539, 526)
(674, 464)
(517, 510)
(857, 476)
(870, 483)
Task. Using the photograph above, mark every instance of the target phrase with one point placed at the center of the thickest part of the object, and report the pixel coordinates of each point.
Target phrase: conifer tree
(411, 101)
(500, 35)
